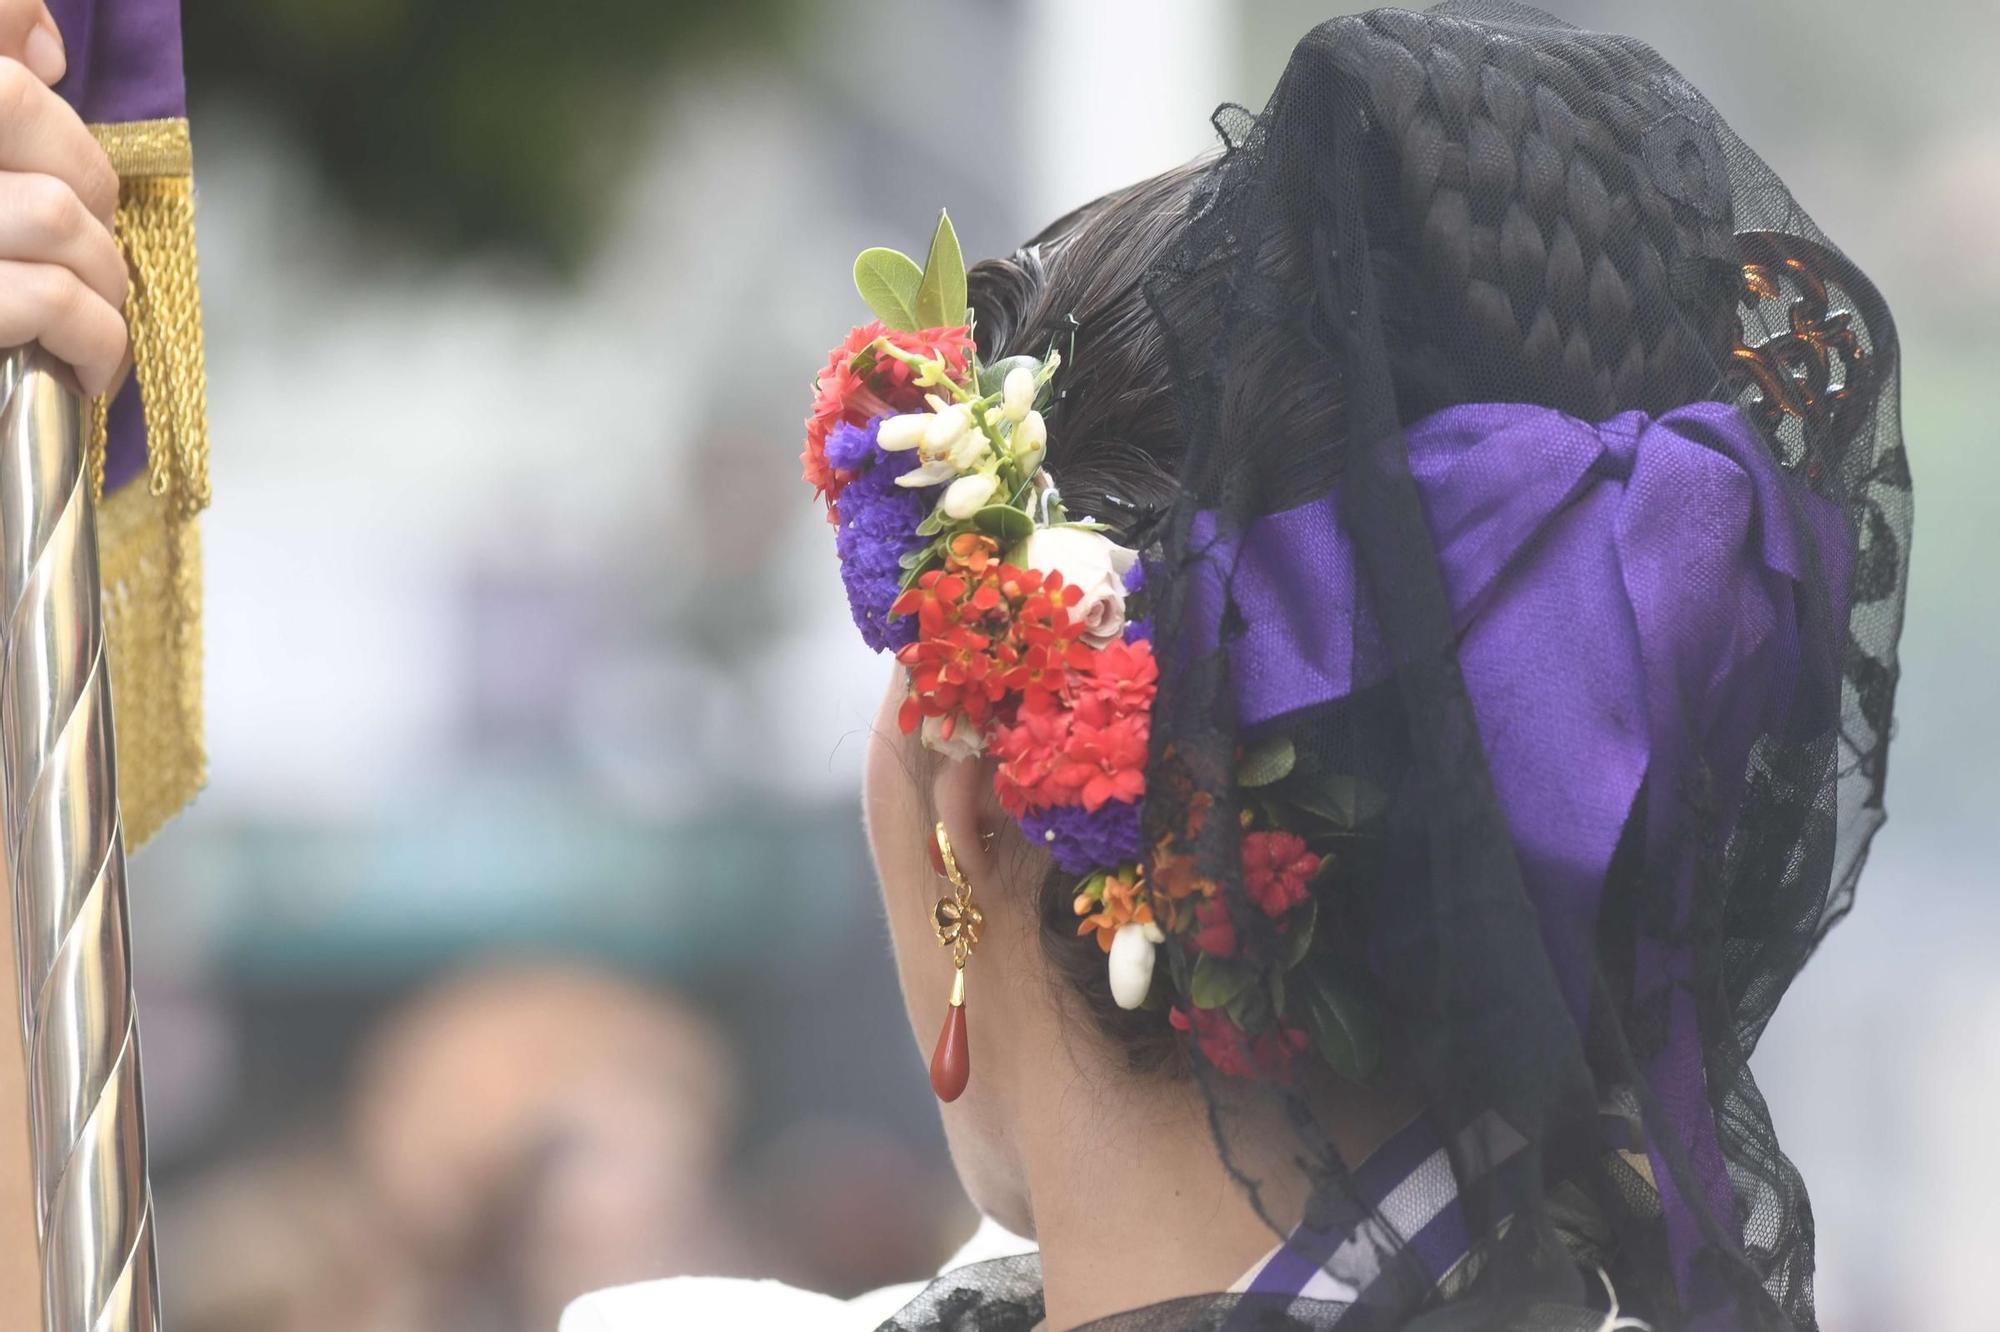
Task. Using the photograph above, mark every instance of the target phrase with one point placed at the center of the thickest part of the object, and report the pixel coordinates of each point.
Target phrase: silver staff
(64, 861)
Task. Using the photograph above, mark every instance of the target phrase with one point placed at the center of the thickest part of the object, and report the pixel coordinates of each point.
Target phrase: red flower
(1083, 742)
(965, 652)
(1214, 931)
(1277, 869)
(857, 385)
(1236, 1055)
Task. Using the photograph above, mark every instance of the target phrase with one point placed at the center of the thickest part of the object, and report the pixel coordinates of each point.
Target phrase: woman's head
(1369, 389)
(1517, 242)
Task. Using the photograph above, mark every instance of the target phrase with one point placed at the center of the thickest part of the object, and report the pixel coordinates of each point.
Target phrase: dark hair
(1514, 235)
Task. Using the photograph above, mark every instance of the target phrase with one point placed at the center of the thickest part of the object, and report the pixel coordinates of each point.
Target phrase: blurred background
(524, 941)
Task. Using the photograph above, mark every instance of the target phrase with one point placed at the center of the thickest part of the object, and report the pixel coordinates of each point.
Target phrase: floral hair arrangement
(1022, 635)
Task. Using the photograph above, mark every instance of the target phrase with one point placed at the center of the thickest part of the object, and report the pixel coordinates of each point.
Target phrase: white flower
(1017, 393)
(968, 495)
(1131, 962)
(946, 427)
(1091, 561)
(963, 743)
(929, 474)
(950, 446)
(899, 434)
(969, 452)
(1030, 441)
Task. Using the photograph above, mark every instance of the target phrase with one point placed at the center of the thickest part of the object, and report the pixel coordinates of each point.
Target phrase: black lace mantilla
(1480, 204)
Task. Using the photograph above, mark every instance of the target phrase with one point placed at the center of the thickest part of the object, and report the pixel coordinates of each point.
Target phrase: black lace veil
(1439, 212)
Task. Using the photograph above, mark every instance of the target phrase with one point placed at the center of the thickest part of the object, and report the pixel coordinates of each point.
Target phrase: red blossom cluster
(999, 649)
(856, 387)
(987, 633)
(1277, 870)
(1234, 1054)
(1277, 873)
(1087, 745)
(1214, 932)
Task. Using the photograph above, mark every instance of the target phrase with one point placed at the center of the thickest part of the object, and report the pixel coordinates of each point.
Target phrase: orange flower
(1121, 899)
(964, 653)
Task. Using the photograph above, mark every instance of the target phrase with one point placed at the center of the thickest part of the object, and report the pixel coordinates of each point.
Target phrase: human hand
(62, 276)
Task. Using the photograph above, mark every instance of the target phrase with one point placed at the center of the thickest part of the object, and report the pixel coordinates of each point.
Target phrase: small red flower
(1214, 932)
(964, 655)
(1234, 1054)
(1277, 870)
(1082, 741)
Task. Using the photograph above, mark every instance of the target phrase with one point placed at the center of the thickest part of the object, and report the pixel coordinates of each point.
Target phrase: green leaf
(1345, 802)
(888, 280)
(917, 561)
(936, 521)
(1342, 1029)
(1269, 760)
(1250, 1010)
(1004, 524)
(1299, 940)
(1278, 991)
(992, 378)
(941, 293)
(1328, 871)
(1217, 982)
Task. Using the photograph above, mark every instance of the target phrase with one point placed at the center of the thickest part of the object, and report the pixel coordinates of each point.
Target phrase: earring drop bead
(951, 1061)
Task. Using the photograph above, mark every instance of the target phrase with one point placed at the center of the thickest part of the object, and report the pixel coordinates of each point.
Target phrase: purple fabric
(1403, 1188)
(125, 438)
(124, 64)
(1628, 597)
(124, 59)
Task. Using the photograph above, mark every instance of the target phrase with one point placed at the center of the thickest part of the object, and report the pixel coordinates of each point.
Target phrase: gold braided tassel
(149, 540)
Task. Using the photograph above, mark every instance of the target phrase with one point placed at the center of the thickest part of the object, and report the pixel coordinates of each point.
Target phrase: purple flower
(1138, 628)
(878, 526)
(850, 447)
(1081, 841)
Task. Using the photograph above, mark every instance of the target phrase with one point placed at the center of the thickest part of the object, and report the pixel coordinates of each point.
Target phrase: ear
(962, 795)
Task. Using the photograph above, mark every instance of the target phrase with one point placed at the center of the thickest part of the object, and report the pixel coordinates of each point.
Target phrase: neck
(1133, 1206)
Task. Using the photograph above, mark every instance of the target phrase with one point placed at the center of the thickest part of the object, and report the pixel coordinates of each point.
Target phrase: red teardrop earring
(958, 922)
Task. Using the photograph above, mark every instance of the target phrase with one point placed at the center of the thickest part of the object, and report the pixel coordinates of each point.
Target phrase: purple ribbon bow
(1630, 600)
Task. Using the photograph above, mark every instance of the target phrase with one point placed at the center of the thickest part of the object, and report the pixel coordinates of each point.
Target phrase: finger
(39, 132)
(29, 34)
(42, 221)
(47, 303)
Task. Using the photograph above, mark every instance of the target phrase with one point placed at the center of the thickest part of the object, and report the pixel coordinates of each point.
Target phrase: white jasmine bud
(1030, 441)
(968, 495)
(946, 428)
(1017, 393)
(901, 433)
(969, 452)
(1131, 964)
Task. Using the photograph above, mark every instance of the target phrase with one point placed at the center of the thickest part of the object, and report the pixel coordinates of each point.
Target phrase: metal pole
(64, 862)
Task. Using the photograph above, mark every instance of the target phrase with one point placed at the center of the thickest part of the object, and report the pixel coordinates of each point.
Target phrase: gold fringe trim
(148, 537)
(147, 148)
(150, 561)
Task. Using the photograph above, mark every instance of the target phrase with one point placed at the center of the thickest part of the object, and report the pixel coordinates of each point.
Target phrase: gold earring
(958, 922)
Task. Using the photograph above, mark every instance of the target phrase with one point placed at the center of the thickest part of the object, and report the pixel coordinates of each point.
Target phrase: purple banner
(124, 59)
